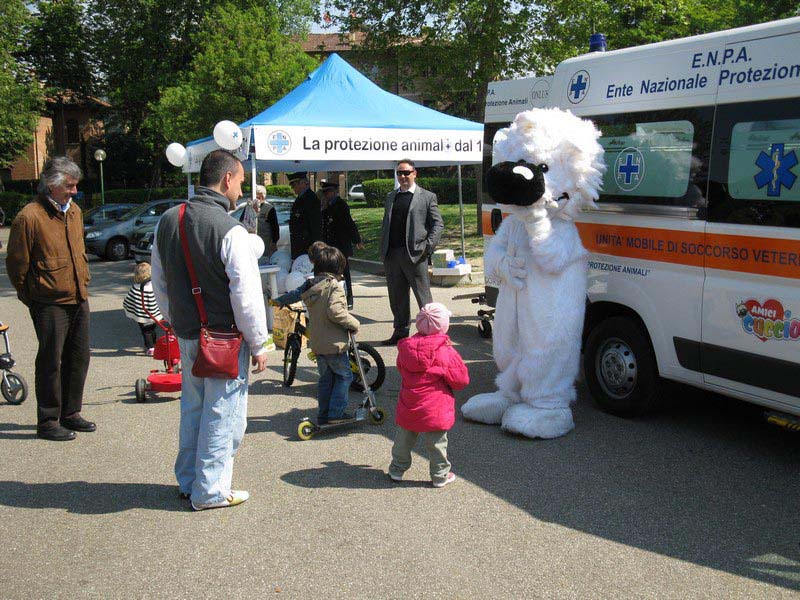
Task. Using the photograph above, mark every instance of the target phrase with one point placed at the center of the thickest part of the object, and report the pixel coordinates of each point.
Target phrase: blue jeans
(335, 377)
(213, 421)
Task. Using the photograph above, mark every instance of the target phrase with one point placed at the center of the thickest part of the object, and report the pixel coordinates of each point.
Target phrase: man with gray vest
(213, 411)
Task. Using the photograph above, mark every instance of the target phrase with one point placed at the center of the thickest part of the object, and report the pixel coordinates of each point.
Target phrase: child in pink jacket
(430, 369)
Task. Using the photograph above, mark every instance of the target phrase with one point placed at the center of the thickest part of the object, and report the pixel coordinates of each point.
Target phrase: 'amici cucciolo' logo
(768, 320)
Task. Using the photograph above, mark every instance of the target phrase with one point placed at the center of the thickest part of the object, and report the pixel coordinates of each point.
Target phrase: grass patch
(369, 221)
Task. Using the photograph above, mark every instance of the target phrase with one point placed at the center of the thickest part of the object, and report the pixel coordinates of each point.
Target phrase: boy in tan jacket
(330, 323)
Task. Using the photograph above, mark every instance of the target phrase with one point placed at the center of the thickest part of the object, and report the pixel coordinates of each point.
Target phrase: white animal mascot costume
(548, 165)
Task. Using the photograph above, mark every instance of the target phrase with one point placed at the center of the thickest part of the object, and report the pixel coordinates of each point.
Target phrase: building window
(73, 132)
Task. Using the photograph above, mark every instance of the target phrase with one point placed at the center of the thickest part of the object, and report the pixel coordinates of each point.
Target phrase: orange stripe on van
(759, 255)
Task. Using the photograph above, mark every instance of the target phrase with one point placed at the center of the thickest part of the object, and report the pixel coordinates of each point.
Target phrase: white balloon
(227, 135)
(176, 154)
(256, 245)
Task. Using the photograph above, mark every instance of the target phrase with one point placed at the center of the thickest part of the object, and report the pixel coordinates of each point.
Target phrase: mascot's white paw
(486, 408)
(546, 423)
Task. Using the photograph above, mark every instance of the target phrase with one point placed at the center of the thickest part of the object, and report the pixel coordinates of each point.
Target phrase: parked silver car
(112, 240)
(143, 236)
(105, 212)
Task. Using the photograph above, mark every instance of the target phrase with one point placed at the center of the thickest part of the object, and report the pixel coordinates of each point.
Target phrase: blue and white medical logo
(776, 170)
(578, 87)
(629, 169)
(540, 92)
(279, 142)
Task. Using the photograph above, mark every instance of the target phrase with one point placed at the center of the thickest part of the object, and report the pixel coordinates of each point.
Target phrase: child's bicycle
(374, 371)
(13, 386)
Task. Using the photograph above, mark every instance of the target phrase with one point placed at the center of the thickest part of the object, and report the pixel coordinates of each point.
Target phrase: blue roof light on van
(597, 42)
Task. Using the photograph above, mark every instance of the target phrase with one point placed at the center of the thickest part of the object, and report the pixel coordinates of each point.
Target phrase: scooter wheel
(377, 416)
(485, 329)
(305, 431)
(141, 391)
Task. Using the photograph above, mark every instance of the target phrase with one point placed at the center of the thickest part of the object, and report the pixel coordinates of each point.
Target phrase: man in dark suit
(411, 229)
(305, 222)
(339, 230)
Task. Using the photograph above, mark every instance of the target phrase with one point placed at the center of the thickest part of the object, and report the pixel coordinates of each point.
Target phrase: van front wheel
(620, 368)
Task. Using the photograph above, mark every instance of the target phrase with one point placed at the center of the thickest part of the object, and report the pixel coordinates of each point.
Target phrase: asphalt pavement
(699, 500)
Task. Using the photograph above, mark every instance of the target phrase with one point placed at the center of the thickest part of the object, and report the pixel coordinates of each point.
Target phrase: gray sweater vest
(207, 222)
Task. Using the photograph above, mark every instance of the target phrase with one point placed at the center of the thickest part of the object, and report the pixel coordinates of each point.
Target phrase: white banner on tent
(197, 152)
(336, 143)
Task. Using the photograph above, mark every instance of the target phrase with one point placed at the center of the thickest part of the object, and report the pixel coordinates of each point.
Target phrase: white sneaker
(236, 497)
(451, 477)
(394, 477)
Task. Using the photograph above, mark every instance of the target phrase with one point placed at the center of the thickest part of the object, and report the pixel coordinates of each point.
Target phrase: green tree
(449, 49)
(59, 46)
(20, 96)
(241, 69)
(626, 23)
(147, 46)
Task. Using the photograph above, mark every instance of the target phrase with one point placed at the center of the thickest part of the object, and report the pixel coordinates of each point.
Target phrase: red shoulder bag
(218, 350)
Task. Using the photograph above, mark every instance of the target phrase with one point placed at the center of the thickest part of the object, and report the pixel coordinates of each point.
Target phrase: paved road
(698, 501)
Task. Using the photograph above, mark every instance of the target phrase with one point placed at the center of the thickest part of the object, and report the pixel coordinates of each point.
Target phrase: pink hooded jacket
(430, 369)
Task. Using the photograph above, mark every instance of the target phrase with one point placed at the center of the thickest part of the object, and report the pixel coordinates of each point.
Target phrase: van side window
(754, 168)
(656, 157)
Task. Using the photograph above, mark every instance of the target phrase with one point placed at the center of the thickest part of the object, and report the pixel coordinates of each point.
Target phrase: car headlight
(92, 235)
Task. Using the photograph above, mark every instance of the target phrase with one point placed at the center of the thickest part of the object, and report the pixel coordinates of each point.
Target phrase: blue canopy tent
(338, 120)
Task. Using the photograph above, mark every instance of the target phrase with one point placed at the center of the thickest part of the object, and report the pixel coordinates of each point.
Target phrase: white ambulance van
(695, 251)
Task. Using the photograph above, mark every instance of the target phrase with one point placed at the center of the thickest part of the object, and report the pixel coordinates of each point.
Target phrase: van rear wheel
(620, 368)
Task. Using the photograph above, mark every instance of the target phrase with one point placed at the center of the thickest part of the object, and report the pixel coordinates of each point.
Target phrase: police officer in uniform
(305, 222)
(338, 229)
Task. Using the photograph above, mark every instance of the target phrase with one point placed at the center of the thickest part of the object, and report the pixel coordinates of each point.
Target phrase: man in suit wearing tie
(411, 229)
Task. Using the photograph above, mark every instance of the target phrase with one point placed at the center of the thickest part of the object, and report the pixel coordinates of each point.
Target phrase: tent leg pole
(188, 185)
(253, 177)
(461, 211)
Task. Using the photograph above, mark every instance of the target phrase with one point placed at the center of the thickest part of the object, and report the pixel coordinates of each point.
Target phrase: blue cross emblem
(279, 142)
(629, 169)
(776, 170)
(578, 87)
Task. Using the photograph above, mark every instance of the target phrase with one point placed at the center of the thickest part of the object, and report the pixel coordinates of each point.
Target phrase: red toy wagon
(167, 350)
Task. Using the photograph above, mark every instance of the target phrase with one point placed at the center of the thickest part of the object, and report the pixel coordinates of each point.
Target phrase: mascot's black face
(517, 183)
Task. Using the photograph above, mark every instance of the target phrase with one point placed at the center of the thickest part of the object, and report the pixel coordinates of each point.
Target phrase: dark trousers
(348, 283)
(62, 360)
(149, 334)
(402, 275)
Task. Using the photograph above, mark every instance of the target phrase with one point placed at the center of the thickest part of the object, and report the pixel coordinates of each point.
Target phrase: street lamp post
(100, 156)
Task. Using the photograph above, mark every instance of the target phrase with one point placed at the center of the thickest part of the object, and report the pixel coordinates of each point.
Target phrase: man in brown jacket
(47, 265)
